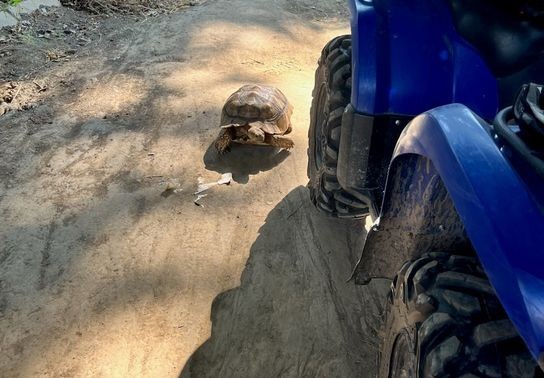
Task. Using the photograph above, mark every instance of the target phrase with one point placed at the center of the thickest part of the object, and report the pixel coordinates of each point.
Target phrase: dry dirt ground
(107, 266)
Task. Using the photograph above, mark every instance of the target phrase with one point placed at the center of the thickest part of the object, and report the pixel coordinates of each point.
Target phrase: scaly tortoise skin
(255, 114)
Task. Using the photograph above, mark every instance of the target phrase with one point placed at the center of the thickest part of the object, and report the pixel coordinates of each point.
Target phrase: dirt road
(108, 268)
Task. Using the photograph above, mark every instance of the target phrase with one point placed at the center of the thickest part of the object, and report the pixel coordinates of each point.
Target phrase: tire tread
(334, 71)
(451, 309)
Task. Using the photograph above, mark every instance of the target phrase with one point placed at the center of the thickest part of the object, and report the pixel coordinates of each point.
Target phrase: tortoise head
(255, 134)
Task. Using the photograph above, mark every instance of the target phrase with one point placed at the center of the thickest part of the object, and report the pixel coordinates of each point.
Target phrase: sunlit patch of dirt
(108, 96)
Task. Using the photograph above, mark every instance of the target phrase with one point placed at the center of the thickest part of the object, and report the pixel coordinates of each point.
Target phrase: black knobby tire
(331, 95)
(444, 320)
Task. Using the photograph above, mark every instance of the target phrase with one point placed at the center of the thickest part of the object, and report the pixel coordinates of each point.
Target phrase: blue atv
(407, 127)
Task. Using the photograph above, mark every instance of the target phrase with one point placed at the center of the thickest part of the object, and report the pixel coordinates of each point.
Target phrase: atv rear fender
(449, 187)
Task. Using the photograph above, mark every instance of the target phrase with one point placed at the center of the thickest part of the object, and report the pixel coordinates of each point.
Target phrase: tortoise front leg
(223, 141)
(280, 141)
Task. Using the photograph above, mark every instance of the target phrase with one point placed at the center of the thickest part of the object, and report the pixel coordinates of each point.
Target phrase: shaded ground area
(295, 314)
(100, 274)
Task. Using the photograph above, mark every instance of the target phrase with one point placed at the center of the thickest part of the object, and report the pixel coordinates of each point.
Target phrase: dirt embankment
(101, 274)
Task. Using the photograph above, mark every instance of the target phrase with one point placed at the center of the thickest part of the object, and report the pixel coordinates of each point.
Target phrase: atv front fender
(448, 185)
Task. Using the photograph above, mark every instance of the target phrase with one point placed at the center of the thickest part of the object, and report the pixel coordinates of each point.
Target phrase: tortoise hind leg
(279, 141)
(223, 141)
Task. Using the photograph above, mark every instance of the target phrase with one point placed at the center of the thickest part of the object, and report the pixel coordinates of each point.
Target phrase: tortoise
(255, 114)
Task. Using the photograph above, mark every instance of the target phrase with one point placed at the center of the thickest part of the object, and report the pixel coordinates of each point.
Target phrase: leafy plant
(11, 2)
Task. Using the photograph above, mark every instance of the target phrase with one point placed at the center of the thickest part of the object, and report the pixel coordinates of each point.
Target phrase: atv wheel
(445, 321)
(331, 95)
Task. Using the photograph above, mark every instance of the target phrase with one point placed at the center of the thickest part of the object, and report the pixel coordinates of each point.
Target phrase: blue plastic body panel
(408, 58)
(497, 207)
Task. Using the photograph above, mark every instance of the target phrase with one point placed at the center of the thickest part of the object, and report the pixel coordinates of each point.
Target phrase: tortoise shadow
(244, 160)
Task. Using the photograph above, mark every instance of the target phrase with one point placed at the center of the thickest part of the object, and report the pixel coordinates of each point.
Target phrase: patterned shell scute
(258, 103)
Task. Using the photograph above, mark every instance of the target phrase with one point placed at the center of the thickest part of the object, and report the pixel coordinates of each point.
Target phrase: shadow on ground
(244, 160)
(295, 314)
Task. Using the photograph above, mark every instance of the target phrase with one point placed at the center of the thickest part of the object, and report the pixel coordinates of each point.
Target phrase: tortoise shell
(263, 106)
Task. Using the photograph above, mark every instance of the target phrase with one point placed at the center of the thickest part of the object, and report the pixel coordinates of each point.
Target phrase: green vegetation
(5, 4)
(11, 2)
